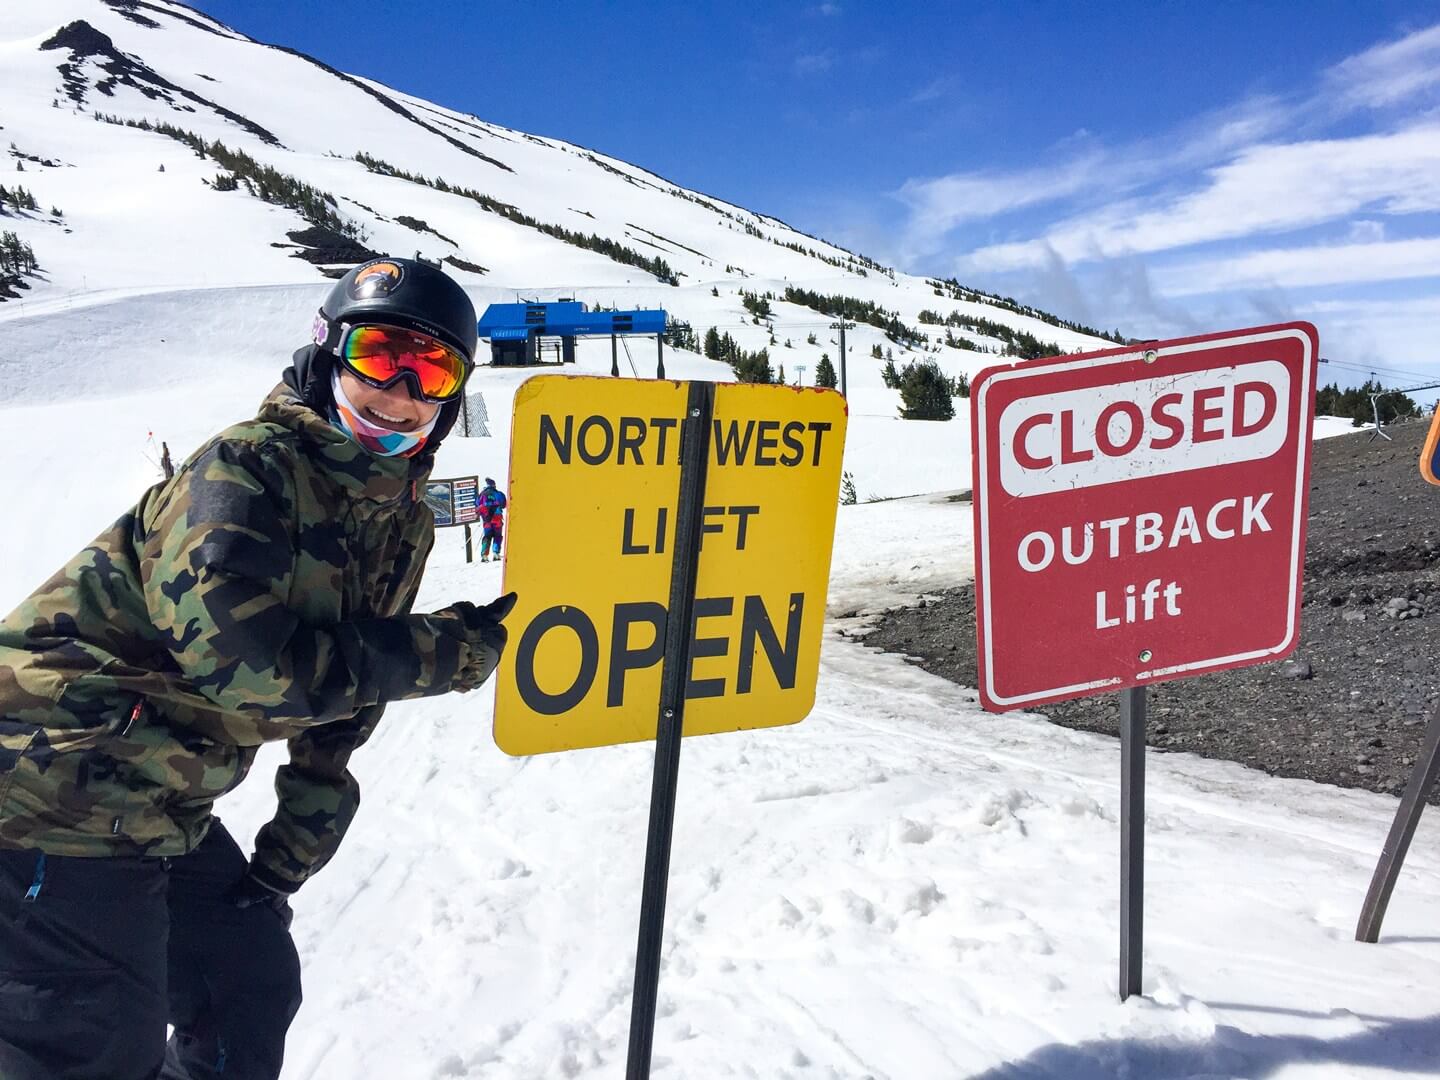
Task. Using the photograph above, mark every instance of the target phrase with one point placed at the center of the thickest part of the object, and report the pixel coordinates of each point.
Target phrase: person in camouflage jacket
(263, 593)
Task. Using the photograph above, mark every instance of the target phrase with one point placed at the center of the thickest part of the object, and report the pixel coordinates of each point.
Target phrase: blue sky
(1166, 168)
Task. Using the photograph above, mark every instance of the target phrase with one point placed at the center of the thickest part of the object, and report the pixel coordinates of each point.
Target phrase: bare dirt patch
(1350, 706)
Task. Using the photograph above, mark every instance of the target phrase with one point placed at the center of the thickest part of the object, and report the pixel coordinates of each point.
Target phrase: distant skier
(492, 516)
(262, 594)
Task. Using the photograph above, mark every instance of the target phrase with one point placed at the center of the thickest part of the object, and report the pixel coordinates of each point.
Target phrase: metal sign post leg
(1132, 838)
(694, 459)
(1402, 830)
(469, 545)
(614, 359)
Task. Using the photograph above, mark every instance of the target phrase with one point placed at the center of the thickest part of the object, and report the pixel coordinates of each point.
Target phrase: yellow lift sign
(594, 490)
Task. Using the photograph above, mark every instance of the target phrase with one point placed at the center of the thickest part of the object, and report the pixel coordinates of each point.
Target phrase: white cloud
(1079, 165)
(1266, 189)
(1363, 231)
(1303, 267)
(937, 206)
(1230, 218)
(1384, 333)
(1388, 73)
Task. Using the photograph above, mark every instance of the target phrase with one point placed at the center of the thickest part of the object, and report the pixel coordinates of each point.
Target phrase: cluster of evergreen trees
(1355, 403)
(589, 241)
(926, 392)
(16, 256)
(843, 264)
(315, 206)
(848, 307)
(179, 134)
(952, 288)
(852, 262)
(757, 305)
(263, 181)
(749, 367)
(17, 198)
(922, 387)
(678, 335)
(1019, 343)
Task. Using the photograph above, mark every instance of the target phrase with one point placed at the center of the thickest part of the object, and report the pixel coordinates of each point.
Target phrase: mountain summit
(163, 149)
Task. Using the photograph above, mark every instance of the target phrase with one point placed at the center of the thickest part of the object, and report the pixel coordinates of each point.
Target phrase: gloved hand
(248, 892)
(484, 636)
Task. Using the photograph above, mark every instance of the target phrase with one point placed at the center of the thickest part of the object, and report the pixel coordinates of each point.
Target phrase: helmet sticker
(376, 280)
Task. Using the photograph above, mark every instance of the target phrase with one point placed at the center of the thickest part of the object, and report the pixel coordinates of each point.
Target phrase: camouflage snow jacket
(261, 594)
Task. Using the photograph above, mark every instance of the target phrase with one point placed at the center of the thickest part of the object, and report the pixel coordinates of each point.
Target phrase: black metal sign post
(1132, 838)
(1402, 831)
(694, 460)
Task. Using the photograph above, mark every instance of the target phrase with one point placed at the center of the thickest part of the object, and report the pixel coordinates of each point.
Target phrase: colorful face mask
(380, 441)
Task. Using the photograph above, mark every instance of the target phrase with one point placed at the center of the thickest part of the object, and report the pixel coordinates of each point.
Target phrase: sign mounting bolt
(1145, 655)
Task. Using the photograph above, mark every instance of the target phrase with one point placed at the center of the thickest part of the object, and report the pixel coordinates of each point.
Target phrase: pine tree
(825, 372)
(780, 375)
(754, 367)
(712, 344)
(890, 375)
(925, 391)
(16, 256)
(1354, 402)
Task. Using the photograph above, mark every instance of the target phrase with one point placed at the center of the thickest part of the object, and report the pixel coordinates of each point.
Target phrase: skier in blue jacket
(492, 516)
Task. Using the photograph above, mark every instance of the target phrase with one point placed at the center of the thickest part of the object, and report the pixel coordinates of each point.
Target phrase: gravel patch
(1349, 706)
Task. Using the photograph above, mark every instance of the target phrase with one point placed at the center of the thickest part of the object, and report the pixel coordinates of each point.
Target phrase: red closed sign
(1140, 512)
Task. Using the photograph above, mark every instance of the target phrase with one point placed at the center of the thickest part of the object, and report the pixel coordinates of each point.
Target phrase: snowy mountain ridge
(172, 160)
(71, 65)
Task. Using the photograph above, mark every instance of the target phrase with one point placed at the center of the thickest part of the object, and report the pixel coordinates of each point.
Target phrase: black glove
(484, 636)
(248, 892)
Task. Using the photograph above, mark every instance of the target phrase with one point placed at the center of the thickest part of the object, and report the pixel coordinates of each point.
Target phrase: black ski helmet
(400, 292)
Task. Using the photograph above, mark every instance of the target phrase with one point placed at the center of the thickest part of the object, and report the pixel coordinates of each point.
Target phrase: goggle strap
(328, 333)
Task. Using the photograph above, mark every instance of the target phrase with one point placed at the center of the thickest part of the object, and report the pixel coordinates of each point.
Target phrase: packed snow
(901, 887)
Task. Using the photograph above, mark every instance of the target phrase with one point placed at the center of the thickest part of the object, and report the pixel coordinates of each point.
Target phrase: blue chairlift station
(523, 333)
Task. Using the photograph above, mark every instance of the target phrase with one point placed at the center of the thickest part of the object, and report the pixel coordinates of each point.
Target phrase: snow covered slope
(141, 212)
(901, 887)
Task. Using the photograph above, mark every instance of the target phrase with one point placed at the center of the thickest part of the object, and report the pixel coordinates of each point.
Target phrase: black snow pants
(96, 955)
